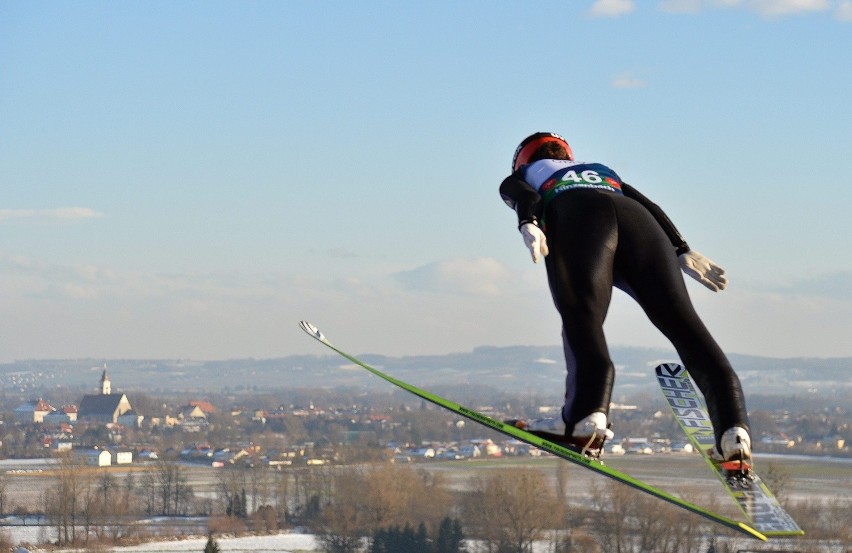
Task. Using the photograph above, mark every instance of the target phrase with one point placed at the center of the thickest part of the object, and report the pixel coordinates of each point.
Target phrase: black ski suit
(601, 232)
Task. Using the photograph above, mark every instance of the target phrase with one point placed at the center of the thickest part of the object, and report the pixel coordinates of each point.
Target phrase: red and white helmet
(532, 143)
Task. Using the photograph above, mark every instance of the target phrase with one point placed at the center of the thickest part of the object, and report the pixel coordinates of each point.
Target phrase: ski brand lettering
(682, 398)
(749, 492)
(686, 405)
(671, 369)
(481, 419)
(674, 383)
(692, 418)
(763, 511)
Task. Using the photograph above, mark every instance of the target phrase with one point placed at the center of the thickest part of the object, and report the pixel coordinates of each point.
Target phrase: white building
(96, 457)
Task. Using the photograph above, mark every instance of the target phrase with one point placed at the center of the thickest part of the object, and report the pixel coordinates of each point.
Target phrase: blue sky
(190, 179)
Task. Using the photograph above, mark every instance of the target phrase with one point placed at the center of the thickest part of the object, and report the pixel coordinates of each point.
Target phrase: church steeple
(106, 388)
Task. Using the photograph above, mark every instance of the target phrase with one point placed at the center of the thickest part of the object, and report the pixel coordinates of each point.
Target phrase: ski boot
(588, 437)
(735, 457)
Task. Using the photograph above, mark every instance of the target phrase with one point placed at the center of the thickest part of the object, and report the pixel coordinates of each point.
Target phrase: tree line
(397, 508)
(386, 507)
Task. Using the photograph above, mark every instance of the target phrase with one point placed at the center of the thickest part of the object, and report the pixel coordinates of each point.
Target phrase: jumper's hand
(703, 270)
(535, 240)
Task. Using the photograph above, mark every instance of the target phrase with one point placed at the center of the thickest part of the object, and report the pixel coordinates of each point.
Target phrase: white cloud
(477, 277)
(775, 8)
(837, 286)
(59, 214)
(627, 80)
(612, 8)
(765, 8)
(844, 11)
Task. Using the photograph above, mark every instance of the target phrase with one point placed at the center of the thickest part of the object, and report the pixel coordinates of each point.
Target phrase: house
(105, 407)
(130, 419)
(192, 418)
(422, 453)
(59, 437)
(33, 411)
(197, 452)
(470, 451)
(96, 457)
(66, 414)
(205, 406)
(59, 446)
(189, 412)
(123, 456)
(488, 447)
(166, 421)
(148, 455)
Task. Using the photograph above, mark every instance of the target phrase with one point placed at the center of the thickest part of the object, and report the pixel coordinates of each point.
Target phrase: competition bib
(551, 177)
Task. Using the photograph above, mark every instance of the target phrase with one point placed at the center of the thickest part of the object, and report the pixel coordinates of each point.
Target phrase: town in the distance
(110, 427)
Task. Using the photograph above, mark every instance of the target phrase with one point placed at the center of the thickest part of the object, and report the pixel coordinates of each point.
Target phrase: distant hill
(516, 368)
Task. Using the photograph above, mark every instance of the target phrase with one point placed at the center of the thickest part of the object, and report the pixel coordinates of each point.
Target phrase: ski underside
(754, 499)
(560, 451)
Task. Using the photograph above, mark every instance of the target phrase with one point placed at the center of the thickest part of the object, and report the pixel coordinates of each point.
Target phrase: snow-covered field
(280, 543)
(292, 543)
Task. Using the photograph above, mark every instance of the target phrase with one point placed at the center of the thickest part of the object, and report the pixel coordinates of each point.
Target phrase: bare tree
(626, 520)
(396, 495)
(614, 507)
(344, 522)
(258, 477)
(228, 486)
(513, 508)
(4, 482)
(777, 479)
(281, 492)
(149, 492)
(169, 492)
(6, 543)
(265, 520)
(365, 500)
(62, 498)
(312, 489)
(823, 518)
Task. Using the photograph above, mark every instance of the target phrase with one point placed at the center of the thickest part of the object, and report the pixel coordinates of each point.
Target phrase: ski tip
(312, 330)
(746, 529)
(670, 370)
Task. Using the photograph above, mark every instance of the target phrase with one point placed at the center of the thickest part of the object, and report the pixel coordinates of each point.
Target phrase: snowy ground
(283, 543)
(307, 543)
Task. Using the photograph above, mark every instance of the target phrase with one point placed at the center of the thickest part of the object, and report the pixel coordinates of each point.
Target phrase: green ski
(551, 447)
(752, 496)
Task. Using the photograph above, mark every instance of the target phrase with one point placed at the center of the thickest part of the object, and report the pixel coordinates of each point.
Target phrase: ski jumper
(601, 232)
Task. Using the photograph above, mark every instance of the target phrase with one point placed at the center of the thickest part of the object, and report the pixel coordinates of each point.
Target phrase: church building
(104, 407)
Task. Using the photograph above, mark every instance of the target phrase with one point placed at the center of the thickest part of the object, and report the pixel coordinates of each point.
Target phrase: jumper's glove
(703, 270)
(535, 240)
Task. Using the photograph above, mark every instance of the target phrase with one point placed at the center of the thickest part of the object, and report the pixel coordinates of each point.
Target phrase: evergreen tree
(401, 540)
(450, 537)
(212, 546)
(379, 541)
(420, 543)
(394, 539)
